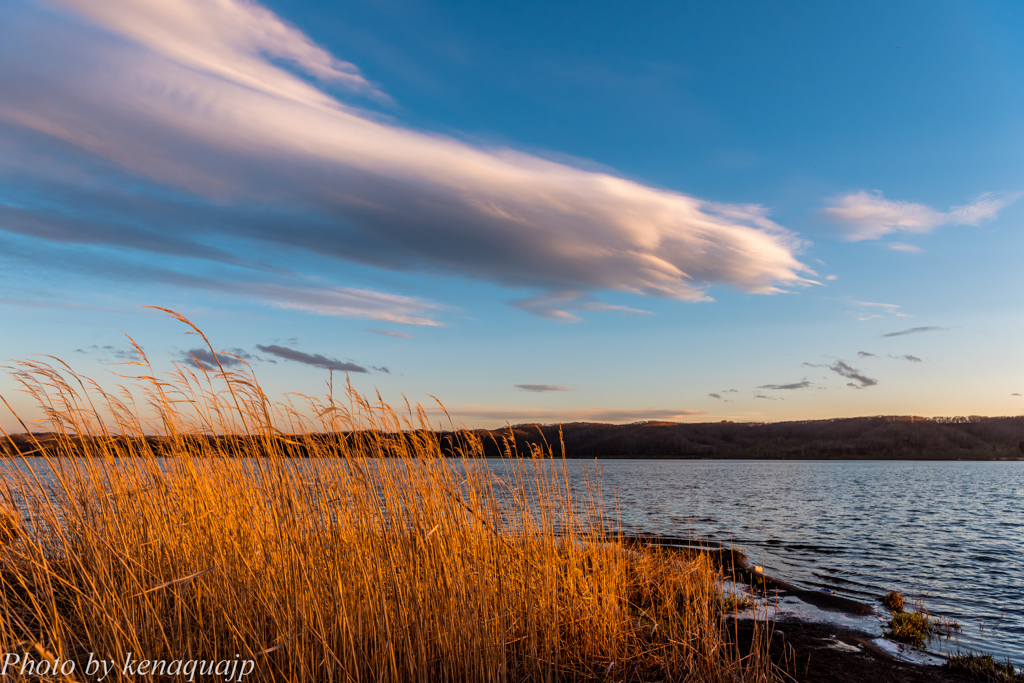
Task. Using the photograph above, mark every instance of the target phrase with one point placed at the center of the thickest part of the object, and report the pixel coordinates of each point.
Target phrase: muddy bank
(812, 651)
(824, 653)
(734, 565)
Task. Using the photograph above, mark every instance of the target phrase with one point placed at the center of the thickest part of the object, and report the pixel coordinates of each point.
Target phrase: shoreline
(880, 438)
(817, 650)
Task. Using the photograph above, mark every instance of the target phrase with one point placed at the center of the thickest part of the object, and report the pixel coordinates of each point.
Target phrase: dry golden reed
(379, 555)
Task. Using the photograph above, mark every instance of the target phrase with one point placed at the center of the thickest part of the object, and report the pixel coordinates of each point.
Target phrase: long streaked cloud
(542, 388)
(347, 302)
(390, 333)
(279, 291)
(315, 359)
(916, 330)
(869, 215)
(188, 104)
(786, 387)
(560, 306)
(554, 415)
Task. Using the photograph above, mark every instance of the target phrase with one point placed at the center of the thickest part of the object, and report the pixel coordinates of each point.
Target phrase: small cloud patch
(870, 216)
(916, 330)
(786, 387)
(842, 369)
(908, 248)
(205, 359)
(314, 359)
(542, 388)
(391, 333)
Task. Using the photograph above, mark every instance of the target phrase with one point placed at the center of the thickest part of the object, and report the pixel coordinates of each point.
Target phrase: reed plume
(329, 539)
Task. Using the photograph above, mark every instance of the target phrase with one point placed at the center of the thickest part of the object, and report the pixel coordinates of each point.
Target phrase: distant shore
(859, 438)
(884, 437)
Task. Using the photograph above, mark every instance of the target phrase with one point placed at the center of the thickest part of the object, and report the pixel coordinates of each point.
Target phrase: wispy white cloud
(878, 310)
(552, 306)
(888, 308)
(276, 290)
(612, 308)
(234, 39)
(192, 99)
(560, 305)
(390, 333)
(901, 246)
(869, 215)
(344, 302)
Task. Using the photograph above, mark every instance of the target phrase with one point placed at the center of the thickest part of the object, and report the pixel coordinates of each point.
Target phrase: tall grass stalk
(374, 557)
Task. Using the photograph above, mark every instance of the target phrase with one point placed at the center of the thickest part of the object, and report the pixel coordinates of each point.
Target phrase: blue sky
(534, 212)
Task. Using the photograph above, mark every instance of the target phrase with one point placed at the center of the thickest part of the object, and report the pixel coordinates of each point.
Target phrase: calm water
(950, 531)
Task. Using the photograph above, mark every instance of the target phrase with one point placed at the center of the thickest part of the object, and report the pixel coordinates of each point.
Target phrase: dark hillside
(861, 438)
(858, 438)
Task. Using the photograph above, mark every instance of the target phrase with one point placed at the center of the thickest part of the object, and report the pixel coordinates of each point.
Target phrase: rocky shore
(811, 651)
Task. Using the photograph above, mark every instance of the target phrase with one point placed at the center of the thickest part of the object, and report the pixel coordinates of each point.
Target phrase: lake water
(949, 532)
(952, 532)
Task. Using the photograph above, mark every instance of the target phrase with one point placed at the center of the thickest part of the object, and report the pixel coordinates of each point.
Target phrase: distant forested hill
(863, 438)
(858, 438)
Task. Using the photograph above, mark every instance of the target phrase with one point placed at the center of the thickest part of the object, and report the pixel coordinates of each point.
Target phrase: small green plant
(734, 602)
(918, 627)
(984, 668)
(913, 628)
(893, 601)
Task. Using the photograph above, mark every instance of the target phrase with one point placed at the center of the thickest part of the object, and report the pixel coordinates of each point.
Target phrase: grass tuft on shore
(893, 601)
(372, 558)
(984, 668)
(916, 627)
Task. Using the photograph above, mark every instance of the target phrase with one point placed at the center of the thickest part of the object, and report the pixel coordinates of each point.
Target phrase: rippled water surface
(950, 531)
